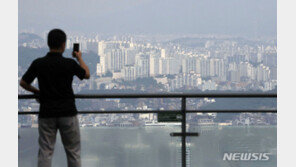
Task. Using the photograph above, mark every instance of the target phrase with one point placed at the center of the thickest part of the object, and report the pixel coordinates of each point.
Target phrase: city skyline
(235, 51)
(159, 47)
(213, 59)
(130, 64)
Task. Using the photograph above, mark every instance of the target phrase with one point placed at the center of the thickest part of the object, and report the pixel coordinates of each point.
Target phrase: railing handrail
(165, 95)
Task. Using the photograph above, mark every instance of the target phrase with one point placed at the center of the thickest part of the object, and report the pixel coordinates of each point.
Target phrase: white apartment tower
(154, 66)
(162, 53)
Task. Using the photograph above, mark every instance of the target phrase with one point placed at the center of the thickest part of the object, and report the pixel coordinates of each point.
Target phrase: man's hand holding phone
(76, 52)
(77, 55)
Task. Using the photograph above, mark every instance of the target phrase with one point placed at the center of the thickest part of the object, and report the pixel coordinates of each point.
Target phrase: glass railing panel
(110, 140)
(237, 140)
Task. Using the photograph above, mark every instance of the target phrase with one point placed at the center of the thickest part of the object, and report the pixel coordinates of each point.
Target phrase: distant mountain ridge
(26, 55)
(28, 38)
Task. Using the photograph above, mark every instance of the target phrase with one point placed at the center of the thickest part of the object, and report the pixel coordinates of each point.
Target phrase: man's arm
(29, 87)
(78, 56)
(29, 77)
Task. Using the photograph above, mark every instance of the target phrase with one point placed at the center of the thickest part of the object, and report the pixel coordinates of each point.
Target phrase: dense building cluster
(219, 64)
(199, 64)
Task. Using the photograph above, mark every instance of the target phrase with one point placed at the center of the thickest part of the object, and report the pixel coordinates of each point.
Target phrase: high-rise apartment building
(162, 53)
(143, 64)
(154, 66)
(129, 73)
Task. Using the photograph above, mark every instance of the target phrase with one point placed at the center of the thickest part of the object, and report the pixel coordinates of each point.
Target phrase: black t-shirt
(55, 75)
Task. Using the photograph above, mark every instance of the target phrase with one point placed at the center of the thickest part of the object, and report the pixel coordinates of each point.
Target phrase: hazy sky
(236, 17)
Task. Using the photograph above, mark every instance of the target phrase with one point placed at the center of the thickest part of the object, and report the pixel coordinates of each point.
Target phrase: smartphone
(76, 47)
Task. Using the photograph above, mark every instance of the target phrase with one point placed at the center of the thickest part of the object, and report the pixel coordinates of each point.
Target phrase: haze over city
(256, 18)
(159, 46)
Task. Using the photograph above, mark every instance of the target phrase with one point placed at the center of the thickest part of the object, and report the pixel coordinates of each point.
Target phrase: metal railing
(182, 111)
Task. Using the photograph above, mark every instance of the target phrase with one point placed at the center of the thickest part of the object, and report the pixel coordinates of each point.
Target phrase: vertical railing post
(183, 110)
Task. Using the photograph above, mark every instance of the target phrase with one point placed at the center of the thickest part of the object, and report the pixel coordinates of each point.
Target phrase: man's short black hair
(56, 38)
